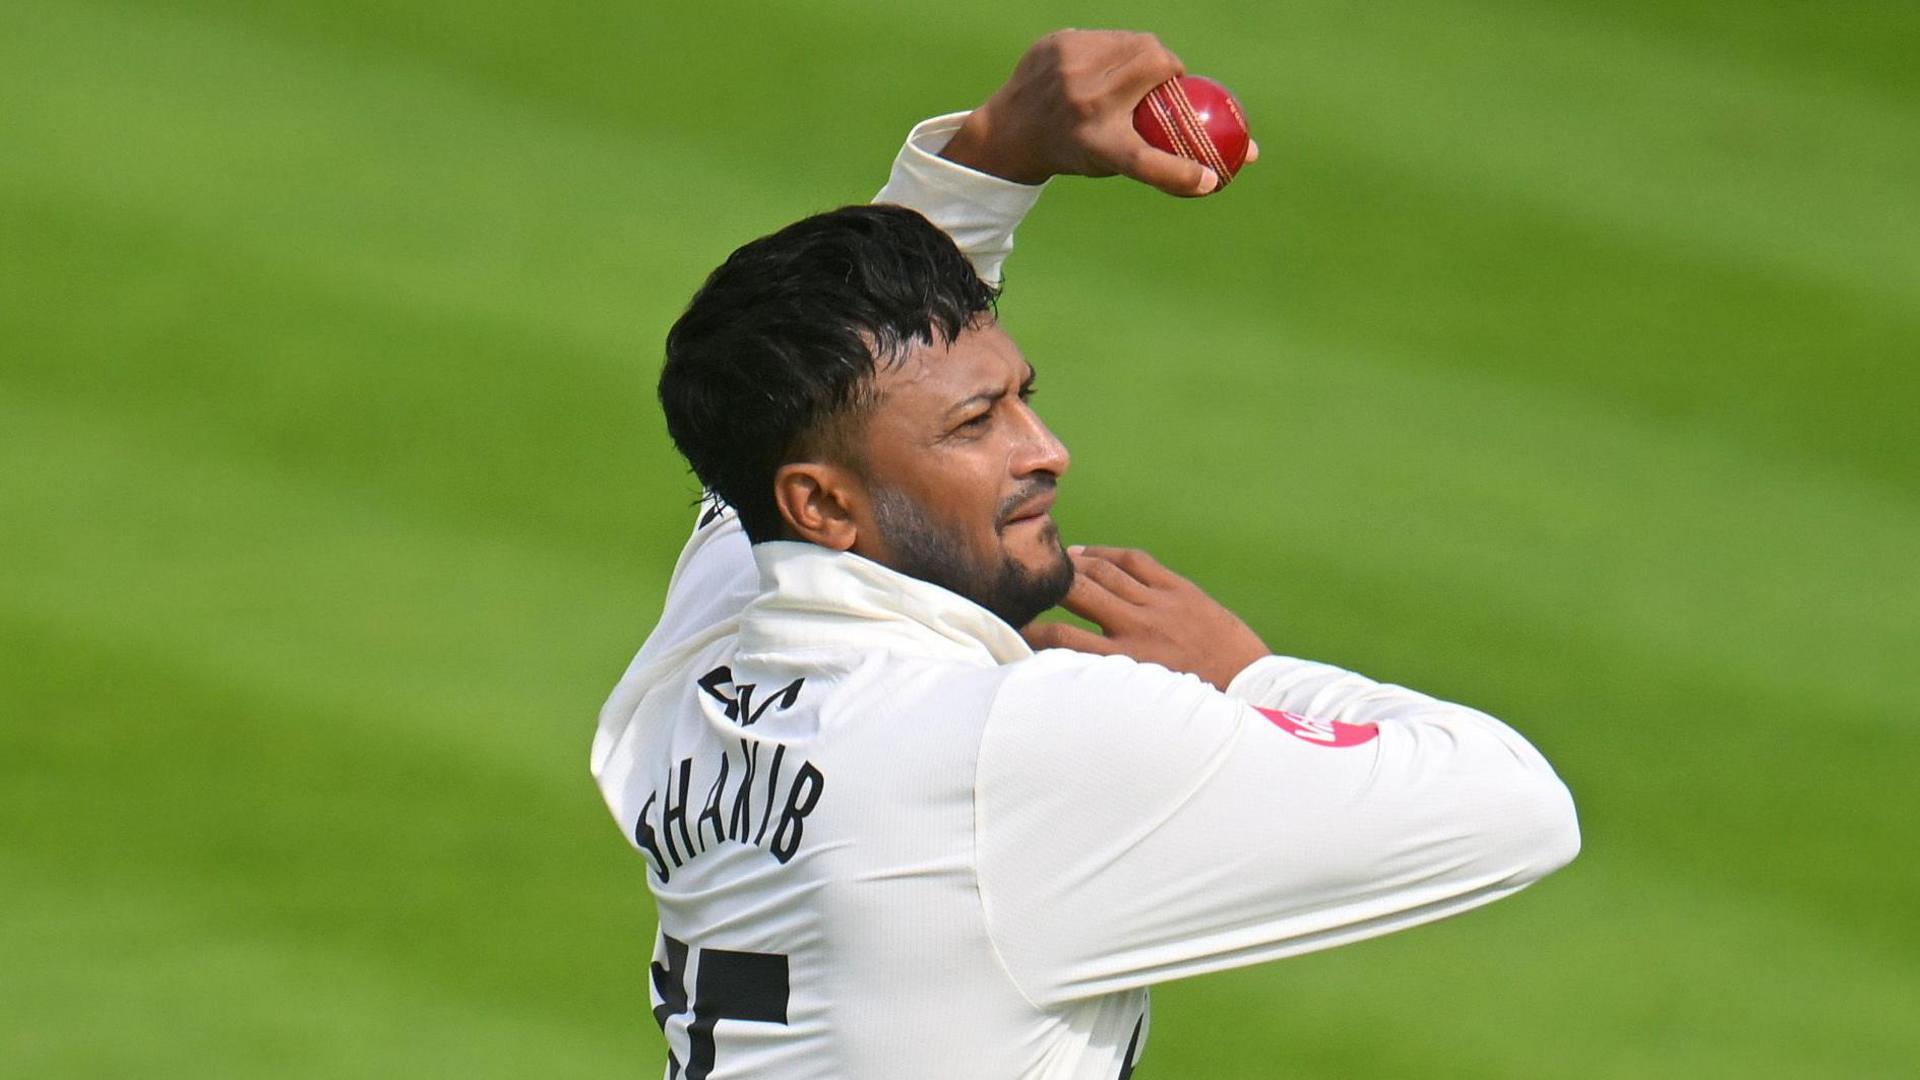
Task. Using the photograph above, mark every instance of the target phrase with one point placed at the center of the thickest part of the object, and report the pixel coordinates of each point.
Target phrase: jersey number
(731, 986)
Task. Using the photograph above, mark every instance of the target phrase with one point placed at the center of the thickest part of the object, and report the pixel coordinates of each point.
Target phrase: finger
(1112, 577)
(1170, 173)
(1253, 152)
(1096, 603)
(1053, 635)
(1136, 562)
(1149, 65)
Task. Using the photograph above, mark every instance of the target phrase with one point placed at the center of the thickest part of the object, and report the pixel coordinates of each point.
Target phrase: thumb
(1054, 635)
(1170, 173)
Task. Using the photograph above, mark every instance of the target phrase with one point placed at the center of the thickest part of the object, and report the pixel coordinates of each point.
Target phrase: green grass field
(1557, 357)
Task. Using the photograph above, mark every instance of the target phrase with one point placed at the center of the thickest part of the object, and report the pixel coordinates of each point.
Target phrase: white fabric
(970, 860)
(979, 211)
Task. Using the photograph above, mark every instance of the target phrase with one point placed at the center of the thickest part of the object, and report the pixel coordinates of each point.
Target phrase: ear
(817, 502)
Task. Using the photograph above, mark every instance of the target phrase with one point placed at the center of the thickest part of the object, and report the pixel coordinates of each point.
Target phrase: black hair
(775, 356)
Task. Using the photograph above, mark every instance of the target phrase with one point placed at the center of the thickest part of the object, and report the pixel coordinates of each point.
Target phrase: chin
(1043, 553)
(1028, 586)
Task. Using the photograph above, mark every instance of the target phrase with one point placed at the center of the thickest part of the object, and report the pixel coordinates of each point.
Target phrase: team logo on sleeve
(1319, 732)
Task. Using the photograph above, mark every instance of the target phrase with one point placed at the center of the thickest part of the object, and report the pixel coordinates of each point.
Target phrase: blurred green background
(1558, 357)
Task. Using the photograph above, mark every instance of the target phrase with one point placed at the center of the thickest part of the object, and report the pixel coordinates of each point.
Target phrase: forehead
(931, 379)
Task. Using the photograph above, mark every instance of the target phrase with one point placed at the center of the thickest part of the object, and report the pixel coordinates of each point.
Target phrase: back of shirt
(808, 819)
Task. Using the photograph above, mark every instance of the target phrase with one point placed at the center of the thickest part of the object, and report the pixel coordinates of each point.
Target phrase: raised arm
(1065, 111)
(1068, 108)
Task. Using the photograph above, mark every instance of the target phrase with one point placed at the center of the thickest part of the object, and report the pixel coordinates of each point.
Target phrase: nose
(1037, 450)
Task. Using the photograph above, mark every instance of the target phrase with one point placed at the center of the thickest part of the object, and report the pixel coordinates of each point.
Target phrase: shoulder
(1065, 720)
(1067, 689)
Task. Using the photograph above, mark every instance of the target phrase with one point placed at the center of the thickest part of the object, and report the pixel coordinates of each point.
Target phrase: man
(885, 835)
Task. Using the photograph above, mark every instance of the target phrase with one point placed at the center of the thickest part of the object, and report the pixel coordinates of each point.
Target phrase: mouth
(1032, 511)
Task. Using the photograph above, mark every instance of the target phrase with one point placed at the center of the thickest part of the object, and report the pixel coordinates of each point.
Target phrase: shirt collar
(812, 597)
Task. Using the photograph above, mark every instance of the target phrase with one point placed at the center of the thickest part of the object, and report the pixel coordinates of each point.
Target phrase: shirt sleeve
(979, 211)
(1135, 826)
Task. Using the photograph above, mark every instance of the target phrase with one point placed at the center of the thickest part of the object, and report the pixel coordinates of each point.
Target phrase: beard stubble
(1008, 588)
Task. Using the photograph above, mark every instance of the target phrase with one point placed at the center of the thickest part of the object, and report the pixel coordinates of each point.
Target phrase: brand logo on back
(1320, 732)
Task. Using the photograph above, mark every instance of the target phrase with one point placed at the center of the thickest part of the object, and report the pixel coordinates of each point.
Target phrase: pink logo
(1320, 732)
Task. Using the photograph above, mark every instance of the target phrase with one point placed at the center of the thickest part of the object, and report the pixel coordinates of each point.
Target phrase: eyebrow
(991, 396)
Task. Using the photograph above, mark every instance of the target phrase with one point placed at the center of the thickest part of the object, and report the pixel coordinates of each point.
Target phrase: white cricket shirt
(886, 839)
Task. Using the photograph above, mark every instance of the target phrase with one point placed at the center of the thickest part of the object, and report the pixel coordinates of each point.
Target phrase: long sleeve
(1136, 826)
(1304, 688)
(979, 211)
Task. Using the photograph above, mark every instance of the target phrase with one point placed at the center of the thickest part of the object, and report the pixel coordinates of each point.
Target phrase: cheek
(959, 487)
(964, 486)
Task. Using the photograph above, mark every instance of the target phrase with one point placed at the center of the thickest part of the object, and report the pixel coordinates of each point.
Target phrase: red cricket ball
(1195, 118)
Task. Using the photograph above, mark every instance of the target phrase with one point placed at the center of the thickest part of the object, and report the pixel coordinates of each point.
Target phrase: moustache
(1027, 493)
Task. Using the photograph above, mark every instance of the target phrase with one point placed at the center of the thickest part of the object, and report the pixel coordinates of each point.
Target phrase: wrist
(1224, 671)
(975, 146)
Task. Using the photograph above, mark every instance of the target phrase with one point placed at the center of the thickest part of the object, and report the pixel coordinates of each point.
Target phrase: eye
(976, 421)
(1027, 392)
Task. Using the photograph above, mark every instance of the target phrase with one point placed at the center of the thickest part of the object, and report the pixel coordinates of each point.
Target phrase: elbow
(1544, 831)
(1522, 831)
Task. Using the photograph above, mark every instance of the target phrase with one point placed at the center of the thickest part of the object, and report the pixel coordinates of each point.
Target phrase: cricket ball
(1195, 118)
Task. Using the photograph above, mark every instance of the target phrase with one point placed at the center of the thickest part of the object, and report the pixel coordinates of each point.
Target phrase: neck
(816, 598)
